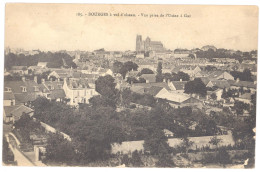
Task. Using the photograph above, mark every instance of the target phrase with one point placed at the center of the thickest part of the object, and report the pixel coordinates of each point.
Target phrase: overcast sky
(56, 27)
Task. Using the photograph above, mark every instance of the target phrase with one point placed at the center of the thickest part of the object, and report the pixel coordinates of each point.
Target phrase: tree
(224, 94)
(7, 154)
(117, 66)
(129, 65)
(60, 150)
(123, 68)
(136, 159)
(106, 87)
(159, 68)
(159, 77)
(223, 157)
(215, 141)
(164, 158)
(187, 144)
(126, 97)
(240, 107)
(242, 76)
(102, 101)
(196, 86)
(180, 76)
(213, 96)
(153, 142)
(40, 104)
(145, 71)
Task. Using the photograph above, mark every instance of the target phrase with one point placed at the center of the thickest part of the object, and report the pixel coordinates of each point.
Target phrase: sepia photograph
(137, 85)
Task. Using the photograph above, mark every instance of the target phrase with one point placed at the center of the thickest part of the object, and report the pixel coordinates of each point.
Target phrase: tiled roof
(246, 96)
(77, 83)
(220, 83)
(8, 96)
(55, 94)
(18, 67)
(54, 84)
(174, 97)
(149, 77)
(9, 109)
(205, 80)
(25, 97)
(16, 86)
(148, 85)
(179, 85)
(154, 90)
(216, 74)
(242, 84)
(17, 111)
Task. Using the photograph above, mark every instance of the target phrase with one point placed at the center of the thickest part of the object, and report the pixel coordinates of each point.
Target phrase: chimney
(237, 80)
(23, 79)
(181, 80)
(164, 80)
(35, 79)
(43, 80)
(58, 79)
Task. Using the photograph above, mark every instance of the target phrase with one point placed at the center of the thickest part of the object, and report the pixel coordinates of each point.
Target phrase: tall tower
(139, 43)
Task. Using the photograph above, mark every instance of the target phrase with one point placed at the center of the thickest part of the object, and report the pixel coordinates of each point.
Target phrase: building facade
(147, 45)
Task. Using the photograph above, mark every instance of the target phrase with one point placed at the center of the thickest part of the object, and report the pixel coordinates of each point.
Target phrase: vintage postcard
(130, 85)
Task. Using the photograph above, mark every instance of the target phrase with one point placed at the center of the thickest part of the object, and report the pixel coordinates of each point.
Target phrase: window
(36, 88)
(7, 89)
(50, 87)
(24, 89)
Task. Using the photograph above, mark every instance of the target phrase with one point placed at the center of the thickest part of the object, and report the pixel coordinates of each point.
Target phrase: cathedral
(147, 45)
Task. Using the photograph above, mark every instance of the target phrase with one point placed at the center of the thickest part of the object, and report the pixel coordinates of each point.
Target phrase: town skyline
(52, 29)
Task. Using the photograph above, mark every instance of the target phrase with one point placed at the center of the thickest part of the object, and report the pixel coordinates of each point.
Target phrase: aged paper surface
(130, 85)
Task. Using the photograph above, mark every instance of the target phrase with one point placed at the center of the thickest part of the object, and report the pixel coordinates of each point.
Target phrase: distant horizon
(122, 50)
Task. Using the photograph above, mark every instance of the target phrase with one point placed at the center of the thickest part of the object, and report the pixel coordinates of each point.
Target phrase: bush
(223, 156)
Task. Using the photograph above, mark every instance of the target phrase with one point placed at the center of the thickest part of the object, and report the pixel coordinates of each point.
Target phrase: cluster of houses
(65, 85)
(78, 85)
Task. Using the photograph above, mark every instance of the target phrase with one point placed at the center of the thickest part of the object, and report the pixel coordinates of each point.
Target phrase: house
(13, 113)
(220, 75)
(104, 72)
(78, 90)
(9, 99)
(245, 98)
(24, 91)
(131, 73)
(53, 90)
(149, 78)
(177, 85)
(141, 88)
(246, 85)
(188, 69)
(218, 84)
(42, 64)
(168, 133)
(155, 90)
(179, 100)
(217, 92)
(21, 70)
(140, 55)
(37, 69)
(146, 64)
(191, 71)
(60, 74)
